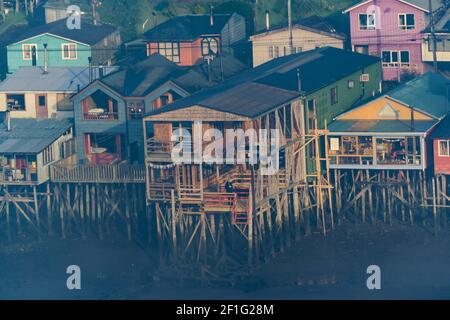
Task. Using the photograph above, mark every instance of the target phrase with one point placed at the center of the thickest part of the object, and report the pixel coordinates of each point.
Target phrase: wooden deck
(115, 173)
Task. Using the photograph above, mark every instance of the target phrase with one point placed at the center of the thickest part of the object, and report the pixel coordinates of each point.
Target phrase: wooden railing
(101, 116)
(117, 173)
(154, 146)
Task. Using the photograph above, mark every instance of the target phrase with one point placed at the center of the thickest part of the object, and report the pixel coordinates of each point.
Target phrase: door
(41, 106)
(33, 56)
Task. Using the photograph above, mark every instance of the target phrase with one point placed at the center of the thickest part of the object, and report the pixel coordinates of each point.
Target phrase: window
(170, 50)
(334, 95)
(135, 110)
(395, 58)
(276, 52)
(442, 45)
(48, 155)
(271, 51)
(444, 148)
(69, 51)
(351, 84)
(406, 21)
(210, 46)
(311, 114)
(367, 21)
(27, 51)
(298, 49)
(42, 101)
(16, 102)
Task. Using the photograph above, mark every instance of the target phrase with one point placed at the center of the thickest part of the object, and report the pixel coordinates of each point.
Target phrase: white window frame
(31, 51)
(439, 148)
(406, 27)
(368, 27)
(68, 45)
(397, 64)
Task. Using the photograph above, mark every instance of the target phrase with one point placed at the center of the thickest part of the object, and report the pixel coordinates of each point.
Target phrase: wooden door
(41, 106)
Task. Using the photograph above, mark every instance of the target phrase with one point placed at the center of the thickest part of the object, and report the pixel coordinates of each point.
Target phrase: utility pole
(291, 41)
(433, 36)
(255, 16)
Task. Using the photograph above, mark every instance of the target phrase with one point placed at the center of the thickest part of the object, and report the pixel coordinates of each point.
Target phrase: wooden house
(441, 147)
(109, 111)
(392, 30)
(187, 39)
(393, 130)
(33, 92)
(28, 147)
(295, 95)
(307, 34)
(58, 46)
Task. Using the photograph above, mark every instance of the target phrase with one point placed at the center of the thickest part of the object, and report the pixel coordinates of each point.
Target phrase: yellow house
(391, 131)
(442, 32)
(309, 34)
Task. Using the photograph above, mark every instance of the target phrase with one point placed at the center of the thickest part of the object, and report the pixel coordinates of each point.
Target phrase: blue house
(63, 47)
(109, 111)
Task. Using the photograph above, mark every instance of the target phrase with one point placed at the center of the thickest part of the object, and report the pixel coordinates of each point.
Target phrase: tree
(122, 13)
(240, 7)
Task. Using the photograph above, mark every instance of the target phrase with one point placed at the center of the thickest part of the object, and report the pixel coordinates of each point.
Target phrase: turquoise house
(64, 47)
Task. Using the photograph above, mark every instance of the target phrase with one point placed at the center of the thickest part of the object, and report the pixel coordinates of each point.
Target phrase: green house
(63, 47)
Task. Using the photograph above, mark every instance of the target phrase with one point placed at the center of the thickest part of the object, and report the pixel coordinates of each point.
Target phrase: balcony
(100, 114)
(114, 173)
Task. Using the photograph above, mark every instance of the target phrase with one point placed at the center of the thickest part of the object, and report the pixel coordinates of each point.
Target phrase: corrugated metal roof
(31, 136)
(380, 126)
(428, 93)
(271, 84)
(58, 79)
(188, 27)
(442, 130)
(89, 33)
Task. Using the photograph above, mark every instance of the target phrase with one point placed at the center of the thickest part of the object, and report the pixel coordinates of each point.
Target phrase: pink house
(392, 30)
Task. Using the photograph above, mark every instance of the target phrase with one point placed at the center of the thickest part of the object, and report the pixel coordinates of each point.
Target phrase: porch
(376, 152)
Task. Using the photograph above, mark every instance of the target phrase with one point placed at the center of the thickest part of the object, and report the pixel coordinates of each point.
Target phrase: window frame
(367, 27)
(68, 51)
(399, 62)
(31, 51)
(334, 95)
(439, 148)
(173, 46)
(207, 41)
(17, 94)
(406, 27)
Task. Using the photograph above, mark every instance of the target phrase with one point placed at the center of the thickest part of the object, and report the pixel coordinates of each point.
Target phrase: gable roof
(31, 136)
(380, 126)
(89, 34)
(187, 28)
(314, 24)
(142, 78)
(57, 79)
(442, 130)
(428, 93)
(419, 4)
(274, 83)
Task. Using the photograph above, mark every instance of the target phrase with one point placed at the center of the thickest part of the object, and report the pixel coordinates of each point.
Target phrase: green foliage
(241, 7)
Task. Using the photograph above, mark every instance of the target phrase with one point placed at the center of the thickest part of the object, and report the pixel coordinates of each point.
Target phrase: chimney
(8, 121)
(100, 71)
(155, 19)
(267, 20)
(211, 16)
(45, 59)
(90, 69)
